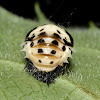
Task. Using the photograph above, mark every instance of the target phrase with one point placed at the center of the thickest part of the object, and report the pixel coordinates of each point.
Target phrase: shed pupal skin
(47, 47)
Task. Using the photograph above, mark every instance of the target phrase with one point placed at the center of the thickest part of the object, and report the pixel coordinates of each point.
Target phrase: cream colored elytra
(46, 47)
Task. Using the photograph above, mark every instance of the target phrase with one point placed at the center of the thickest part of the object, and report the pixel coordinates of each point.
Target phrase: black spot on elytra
(63, 48)
(42, 33)
(29, 33)
(40, 61)
(42, 29)
(51, 62)
(55, 42)
(70, 50)
(67, 43)
(32, 43)
(41, 41)
(33, 36)
(55, 34)
(40, 51)
(53, 52)
(58, 31)
(72, 41)
(30, 38)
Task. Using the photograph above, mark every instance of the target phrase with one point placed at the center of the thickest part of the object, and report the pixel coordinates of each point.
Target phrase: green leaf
(81, 83)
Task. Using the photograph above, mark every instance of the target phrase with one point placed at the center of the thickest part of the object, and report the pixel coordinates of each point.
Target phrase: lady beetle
(47, 48)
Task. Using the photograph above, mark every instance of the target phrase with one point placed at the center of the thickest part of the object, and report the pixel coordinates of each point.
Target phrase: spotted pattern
(63, 48)
(33, 36)
(53, 52)
(42, 33)
(42, 29)
(40, 51)
(55, 42)
(58, 36)
(32, 43)
(40, 61)
(58, 31)
(51, 62)
(41, 40)
(30, 32)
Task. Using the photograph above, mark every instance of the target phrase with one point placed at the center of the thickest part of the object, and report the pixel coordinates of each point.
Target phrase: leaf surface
(81, 83)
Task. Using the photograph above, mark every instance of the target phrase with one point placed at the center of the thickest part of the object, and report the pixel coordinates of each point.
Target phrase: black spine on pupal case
(72, 41)
(67, 43)
(29, 39)
(46, 77)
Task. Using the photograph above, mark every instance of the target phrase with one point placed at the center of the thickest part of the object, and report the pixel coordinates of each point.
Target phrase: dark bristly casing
(46, 77)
